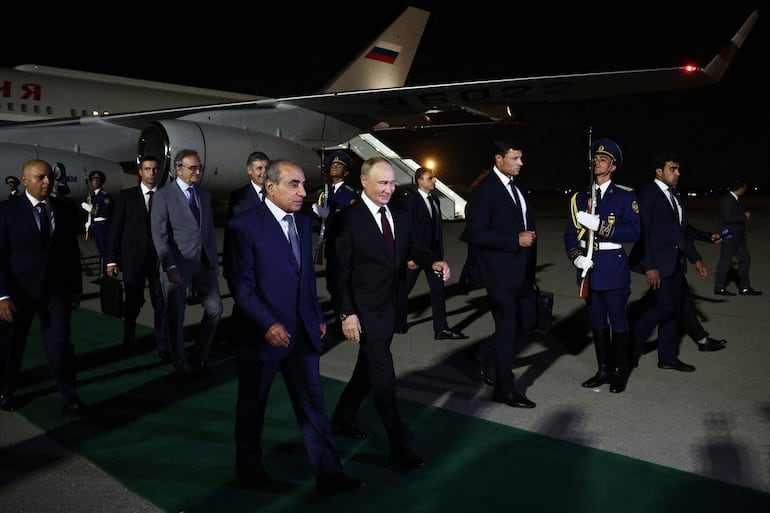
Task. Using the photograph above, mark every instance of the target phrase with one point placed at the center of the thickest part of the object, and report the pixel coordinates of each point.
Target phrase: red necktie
(387, 232)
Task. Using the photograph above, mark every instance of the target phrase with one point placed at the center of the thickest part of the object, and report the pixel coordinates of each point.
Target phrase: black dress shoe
(74, 409)
(448, 334)
(407, 462)
(514, 399)
(254, 477)
(749, 292)
(723, 292)
(484, 373)
(712, 344)
(676, 364)
(7, 402)
(338, 484)
(347, 429)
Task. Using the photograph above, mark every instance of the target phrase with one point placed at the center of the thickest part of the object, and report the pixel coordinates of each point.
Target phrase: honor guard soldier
(100, 210)
(614, 220)
(13, 186)
(340, 195)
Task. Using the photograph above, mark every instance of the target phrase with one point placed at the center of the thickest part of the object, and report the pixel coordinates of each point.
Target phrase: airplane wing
(299, 126)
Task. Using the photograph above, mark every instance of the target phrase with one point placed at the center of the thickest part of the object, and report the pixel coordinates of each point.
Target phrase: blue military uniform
(610, 278)
(101, 202)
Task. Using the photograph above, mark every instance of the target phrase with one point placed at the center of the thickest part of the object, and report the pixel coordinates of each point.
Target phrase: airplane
(91, 121)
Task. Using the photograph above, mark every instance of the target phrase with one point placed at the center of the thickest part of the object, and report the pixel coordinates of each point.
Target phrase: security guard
(13, 186)
(614, 220)
(101, 210)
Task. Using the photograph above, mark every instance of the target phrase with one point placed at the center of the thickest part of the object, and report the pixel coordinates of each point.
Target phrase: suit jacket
(26, 265)
(732, 215)
(427, 229)
(492, 227)
(242, 199)
(662, 235)
(365, 276)
(266, 284)
(178, 238)
(130, 239)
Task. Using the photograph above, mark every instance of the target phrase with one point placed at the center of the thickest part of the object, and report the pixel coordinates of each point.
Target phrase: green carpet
(175, 448)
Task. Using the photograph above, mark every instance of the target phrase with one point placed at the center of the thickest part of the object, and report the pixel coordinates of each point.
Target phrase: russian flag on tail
(384, 52)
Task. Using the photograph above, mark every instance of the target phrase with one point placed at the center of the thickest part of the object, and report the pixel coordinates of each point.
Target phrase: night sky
(721, 130)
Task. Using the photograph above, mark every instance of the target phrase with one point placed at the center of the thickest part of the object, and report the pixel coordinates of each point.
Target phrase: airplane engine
(70, 167)
(223, 151)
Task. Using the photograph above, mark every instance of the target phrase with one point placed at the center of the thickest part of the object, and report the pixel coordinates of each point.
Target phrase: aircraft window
(36, 108)
(49, 110)
(84, 114)
(24, 107)
(73, 113)
(10, 107)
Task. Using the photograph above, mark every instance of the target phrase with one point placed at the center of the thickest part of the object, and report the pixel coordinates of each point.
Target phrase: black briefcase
(111, 296)
(544, 312)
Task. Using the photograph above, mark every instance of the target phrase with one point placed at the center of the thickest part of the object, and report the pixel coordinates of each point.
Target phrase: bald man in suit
(39, 275)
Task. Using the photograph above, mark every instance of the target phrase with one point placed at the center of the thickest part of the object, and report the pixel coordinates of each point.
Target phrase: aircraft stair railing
(367, 146)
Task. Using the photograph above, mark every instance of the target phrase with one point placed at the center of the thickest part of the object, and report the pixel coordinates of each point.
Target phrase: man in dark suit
(269, 269)
(39, 274)
(501, 238)
(425, 210)
(661, 254)
(182, 224)
(734, 220)
(131, 251)
(253, 193)
(374, 240)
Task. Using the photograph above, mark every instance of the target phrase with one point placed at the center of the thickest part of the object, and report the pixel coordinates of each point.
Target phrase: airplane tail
(718, 66)
(386, 61)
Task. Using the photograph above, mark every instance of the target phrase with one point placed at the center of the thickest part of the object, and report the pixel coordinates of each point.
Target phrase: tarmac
(714, 422)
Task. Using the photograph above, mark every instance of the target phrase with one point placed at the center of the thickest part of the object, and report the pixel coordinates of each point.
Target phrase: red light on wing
(690, 68)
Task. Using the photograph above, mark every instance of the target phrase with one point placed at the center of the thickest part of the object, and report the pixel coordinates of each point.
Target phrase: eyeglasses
(194, 169)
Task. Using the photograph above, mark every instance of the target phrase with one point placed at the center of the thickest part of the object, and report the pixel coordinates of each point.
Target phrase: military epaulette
(351, 189)
(624, 187)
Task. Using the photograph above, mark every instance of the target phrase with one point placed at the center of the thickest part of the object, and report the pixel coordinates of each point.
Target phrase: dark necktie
(598, 196)
(515, 192)
(435, 213)
(45, 223)
(674, 205)
(293, 237)
(331, 194)
(149, 200)
(262, 195)
(387, 232)
(194, 204)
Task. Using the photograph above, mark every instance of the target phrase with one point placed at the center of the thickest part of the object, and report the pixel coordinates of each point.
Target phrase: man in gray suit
(182, 224)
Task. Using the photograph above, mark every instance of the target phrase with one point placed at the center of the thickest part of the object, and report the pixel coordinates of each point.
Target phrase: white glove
(87, 206)
(322, 212)
(590, 221)
(583, 263)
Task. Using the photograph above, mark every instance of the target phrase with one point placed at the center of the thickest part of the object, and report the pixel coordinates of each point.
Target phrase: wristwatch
(343, 317)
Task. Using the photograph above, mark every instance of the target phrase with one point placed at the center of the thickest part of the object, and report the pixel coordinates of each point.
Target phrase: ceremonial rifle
(586, 275)
(323, 202)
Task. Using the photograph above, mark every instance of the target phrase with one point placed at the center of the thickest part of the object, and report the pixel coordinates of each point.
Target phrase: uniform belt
(99, 219)
(602, 245)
